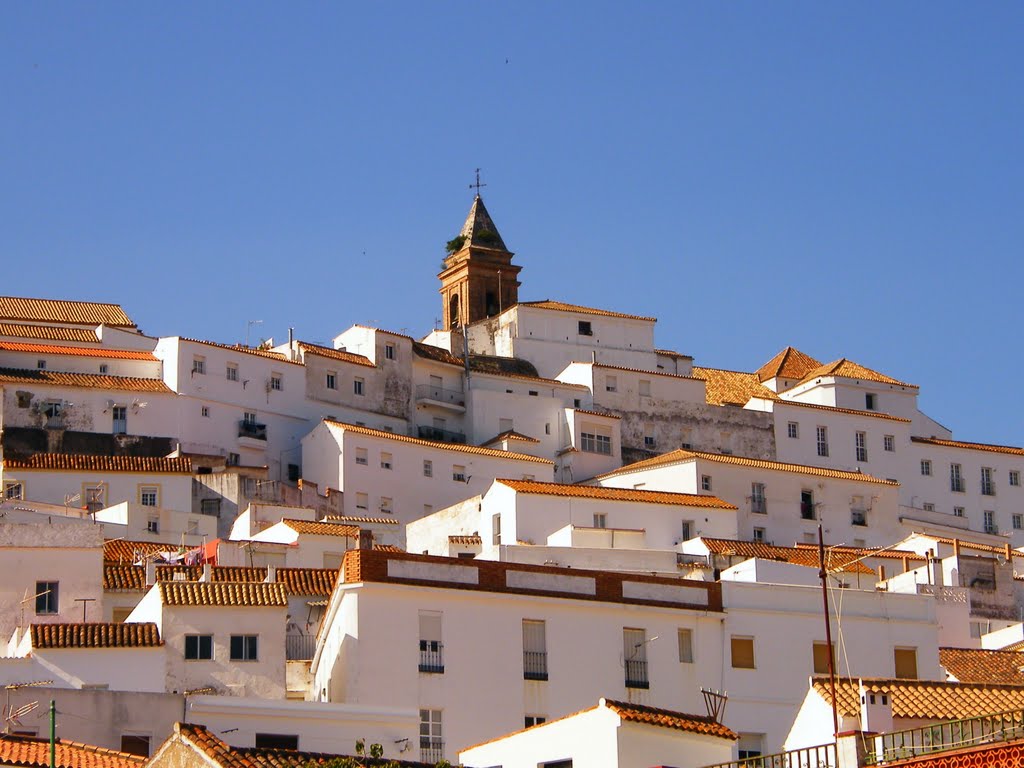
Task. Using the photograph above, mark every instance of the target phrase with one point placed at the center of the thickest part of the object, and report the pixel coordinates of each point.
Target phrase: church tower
(479, 279)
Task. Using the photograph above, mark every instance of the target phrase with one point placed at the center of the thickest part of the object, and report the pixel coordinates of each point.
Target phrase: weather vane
(478, 184)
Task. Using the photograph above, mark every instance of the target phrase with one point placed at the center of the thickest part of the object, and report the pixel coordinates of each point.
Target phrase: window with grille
(634, 655)
(535, 650)
(431, 648)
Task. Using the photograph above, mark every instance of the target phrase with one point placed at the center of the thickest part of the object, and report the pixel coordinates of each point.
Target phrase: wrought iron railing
(441, 435)
(299, 647)
(440, 394)
(431, 656)
(252, 429)
(431, 750)
(535, 665)
(956, 734)
(821, 756)
(636, 674)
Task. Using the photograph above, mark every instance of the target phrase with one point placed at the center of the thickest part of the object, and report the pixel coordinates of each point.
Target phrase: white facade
(154, 523)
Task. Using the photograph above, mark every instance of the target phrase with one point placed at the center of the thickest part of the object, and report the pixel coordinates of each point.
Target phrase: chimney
(150, 572)
(936, 566)
(1009, 553)
(881, 573)
(271, 574)
(207, 573)
(875, 710)
(956, 548)
(365, 538)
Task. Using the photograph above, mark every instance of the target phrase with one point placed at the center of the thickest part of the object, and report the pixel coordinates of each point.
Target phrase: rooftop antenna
(248, 327)
(478, 183)
(12, 716)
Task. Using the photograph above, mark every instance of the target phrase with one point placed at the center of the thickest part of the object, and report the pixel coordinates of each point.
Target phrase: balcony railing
(535, 665)
(252, 429)
(440, 435)
(983, 729)
(823, 756)
(440, 395)
(299, 647)
(759, 506)
(636, 674)
(431, 656)
(431, 750)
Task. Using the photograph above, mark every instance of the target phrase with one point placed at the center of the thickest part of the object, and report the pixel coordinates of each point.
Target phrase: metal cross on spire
(478, 183)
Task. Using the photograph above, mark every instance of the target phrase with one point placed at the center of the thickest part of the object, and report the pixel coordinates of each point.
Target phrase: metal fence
(299, 647)
(940, 737)
(821, 756)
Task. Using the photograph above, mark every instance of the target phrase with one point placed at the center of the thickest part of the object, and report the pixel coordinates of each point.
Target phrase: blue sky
(846, 178)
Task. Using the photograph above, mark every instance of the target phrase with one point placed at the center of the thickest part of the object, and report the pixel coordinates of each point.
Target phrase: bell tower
(479, 279)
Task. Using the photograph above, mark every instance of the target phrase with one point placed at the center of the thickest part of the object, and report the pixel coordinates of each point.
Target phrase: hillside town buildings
(533, 526)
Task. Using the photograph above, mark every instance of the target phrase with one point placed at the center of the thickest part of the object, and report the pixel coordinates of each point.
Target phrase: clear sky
(843, 177)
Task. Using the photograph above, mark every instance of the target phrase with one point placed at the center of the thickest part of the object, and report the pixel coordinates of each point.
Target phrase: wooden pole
(823, 574)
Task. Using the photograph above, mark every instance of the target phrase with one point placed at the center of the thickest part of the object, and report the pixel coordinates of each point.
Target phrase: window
(822, 435)
(95, 496)
(47, 597)
(600, 519)
(204, 411)
(149, 495)
(705, 482)
(956, 480)
(431, 736)
(385, 505)
(793, 429)
(634, 655)
(249, 418)
(645, 388)
(135, 744)
(535, 650)
(611, 384)
(233, 460)
(807, 505)
(357, 385)
(906, 663)
(928, 507)
(210, 507)
(104, 368)
(531, 720)
(649, 441)
(41, 365)
(276, 382)
(989, 521)
(979, 628)
(1014, 477)
(385, 460)
(1018, 521)
(889, 443)
(870, 401)
(198, 365)
(821, 659)
(858, 516)
(198, 647)
(332, 380)
(685, 640)
(231, 372)
(742, 652)
(389, 351)
(593, 443)
(687, 530)
(750, 745)
(584, 329)
(459, 473)
(428, 468)
(758, 502)
(120, 420)
(13, 490)
(988, 487)
(759, 535)
(431, 648)
(860, 441)
(244, 647)
(926, 467)
(958, 511)
(361, 501)
(277, 741)
(496, 528)
(362, 456)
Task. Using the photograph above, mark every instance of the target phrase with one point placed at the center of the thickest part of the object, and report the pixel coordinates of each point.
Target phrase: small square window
(531, 720)
(649, 441)
(428, 468)
(231, 373)
(104, 368)
(600, 519)
(705, 482)
(759, 535)
(135, 744)
(742, 649)
(47, 597)
(234, 460)
(645, 388)
(889, 443)
(362, 456)
(332, 381)
(459, 473)
(276, 382)
(244, 647)
(362, 501)
(926, 467)
(389, 351)
(906, 663)
(611, 384)
(199, 365)
(198, 647)
(385, 461)
(584, 328)
(870, 401)
(385, 505)
(357, 386)
(149, 496)
(928, 506)
(41, 365)
(958, 511)
(13, 490)
(205, 411)
(793, 429)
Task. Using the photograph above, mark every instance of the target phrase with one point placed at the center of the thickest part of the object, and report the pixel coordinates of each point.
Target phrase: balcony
(431, 657)
(535, 665)
(431, 750)
(944, 737)
(636, 674)
(441, 397)
(440, 435)
(299, 647)
(252, 430)
(823, 756)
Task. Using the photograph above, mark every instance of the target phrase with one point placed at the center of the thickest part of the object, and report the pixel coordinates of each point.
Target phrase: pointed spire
(480, 230)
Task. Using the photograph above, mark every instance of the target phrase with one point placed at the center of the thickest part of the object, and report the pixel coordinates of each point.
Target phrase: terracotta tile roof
(335, 354)
(267, 353)
(986, 548)
(925, 699)
(643, 371)
(1017, 646)
(225, 756)
(456, 447)
(834, 561)
(673, 353)
(468, 541)
(354, 519)
(865, 552)
(30, 751)
(225, 593)
(437, 354)
(123, 551)
(974, 665)
(384, 331)
(58, 311)
(76, 462)
(597, 413)
(48, 332)
(848, 369)
(81, 380)
(296, 581)
(1013, 450)
(561, 306)
(510, 434)
(665, 718)
(308, 528)
(503, 367)
(790, 363)
(51, 349)
(731, 387)
(141, 635)
(534, 487)
(387, 548)
(833, 409)
(679, 455)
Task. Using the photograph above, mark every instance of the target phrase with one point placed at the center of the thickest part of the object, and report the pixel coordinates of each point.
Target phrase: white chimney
(150, 572)
(875, 710)
(207, 573)
(271, 574)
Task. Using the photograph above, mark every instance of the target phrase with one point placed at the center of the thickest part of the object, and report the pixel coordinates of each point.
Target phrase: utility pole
(53, 734)
(823, 574)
